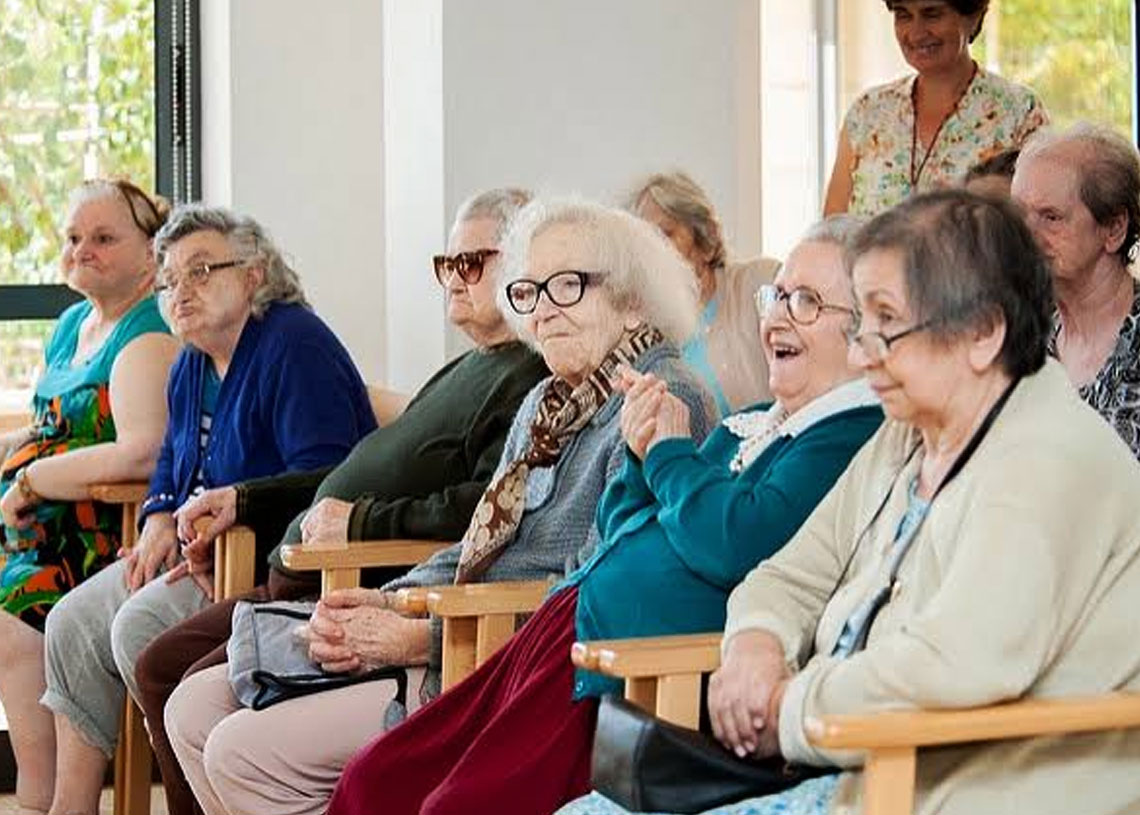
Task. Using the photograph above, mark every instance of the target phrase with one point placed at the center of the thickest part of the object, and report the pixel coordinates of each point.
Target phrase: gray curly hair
(247, 238)
(642, 271)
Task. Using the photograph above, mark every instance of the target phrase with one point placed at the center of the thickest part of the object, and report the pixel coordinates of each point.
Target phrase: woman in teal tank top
(54, 535)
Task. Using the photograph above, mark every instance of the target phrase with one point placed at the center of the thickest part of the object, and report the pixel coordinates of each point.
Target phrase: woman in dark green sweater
(679, 527)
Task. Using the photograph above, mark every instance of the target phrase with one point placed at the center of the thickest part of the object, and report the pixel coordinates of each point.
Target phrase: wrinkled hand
(219, 504)
(14, 508)
(197, 564)
(363, 637)
(638, 420)
(672, 421)
(327, 520)
(745, 694)
(157, 548)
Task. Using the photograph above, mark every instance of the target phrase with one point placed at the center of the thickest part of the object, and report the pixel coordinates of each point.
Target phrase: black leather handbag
(648, 765)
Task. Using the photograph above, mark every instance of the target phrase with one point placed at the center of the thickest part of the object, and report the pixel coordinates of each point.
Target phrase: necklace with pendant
(916, 172)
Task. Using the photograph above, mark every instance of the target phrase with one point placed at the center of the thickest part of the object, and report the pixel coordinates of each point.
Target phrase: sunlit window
(77, 100)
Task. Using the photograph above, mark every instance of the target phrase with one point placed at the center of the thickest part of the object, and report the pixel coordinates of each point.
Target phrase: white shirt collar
(757, 429)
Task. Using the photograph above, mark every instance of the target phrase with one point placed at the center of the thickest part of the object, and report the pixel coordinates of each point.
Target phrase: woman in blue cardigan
(680, 526)
(262, 387)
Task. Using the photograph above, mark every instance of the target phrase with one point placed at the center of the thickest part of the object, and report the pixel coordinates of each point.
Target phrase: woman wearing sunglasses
(679, 526)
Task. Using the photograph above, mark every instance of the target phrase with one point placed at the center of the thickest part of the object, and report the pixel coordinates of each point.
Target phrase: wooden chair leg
(889, 781)
(132, 764)
(642, 691)
(492, 632)
(679, 699)
(459, 639)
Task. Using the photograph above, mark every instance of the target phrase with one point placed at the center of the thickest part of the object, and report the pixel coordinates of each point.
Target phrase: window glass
(1076, 54)
(77, 101)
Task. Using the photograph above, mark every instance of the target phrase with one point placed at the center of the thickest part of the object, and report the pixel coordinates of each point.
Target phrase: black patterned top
(1115, 392)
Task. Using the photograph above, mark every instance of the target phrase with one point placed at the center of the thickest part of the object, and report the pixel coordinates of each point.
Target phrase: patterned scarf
(562, 412)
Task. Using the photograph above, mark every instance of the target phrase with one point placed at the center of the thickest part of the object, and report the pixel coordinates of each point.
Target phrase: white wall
(353, 131)
(585, 96)
(293, 135)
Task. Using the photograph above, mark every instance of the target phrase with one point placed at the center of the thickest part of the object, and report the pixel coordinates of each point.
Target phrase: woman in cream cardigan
(984, 546)
(725, 350)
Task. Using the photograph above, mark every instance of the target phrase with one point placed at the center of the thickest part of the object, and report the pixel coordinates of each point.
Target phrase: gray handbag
(268, 663)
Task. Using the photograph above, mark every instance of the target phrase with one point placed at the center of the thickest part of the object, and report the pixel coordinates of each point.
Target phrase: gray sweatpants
(92, 640)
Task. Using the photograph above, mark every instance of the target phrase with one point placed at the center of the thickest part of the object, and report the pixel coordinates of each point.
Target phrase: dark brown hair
(963, 7)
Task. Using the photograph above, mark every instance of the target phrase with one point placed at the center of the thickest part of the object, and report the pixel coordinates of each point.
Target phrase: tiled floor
(157, 807)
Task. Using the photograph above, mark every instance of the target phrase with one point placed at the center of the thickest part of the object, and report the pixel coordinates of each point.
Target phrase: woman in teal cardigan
(680, 526)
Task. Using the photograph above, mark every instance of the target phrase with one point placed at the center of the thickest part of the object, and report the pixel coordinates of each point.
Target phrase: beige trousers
(283, 760)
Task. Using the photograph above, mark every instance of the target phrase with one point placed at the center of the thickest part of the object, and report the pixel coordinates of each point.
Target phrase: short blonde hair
(641, 270)
(683, 200)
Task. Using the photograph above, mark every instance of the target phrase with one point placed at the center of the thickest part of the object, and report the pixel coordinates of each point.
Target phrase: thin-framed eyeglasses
(876, 345)
(468, 265)
(194, 275)
(563, 289)
(804, 304)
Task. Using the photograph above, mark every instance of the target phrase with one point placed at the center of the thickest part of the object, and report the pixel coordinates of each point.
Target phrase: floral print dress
(67, 542)
(993, 115)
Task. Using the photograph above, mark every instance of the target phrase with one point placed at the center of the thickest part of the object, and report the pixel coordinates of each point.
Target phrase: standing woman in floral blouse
(924, 131)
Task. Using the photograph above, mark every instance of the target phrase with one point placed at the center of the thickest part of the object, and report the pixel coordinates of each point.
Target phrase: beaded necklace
(916, 173)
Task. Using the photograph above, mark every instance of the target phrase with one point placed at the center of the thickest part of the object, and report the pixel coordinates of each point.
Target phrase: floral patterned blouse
(1115, 391)
(994, 115)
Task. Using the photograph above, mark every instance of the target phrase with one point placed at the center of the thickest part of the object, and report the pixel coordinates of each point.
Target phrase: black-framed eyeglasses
(195, 275)
(876, 345)
(804, 304)
(468, 265)
(563, 289)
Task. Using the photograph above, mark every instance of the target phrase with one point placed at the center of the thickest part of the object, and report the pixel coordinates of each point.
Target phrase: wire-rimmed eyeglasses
(804, 304)
(195, 275)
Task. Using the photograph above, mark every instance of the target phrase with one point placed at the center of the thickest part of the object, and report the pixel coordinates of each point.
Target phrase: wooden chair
(662, 675)
(234, 564)
(477, 618)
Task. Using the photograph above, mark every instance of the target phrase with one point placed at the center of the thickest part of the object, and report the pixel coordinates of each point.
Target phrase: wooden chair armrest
(358, 554)
(922, 728)
(649, 656)
(340, 563)
(14, 421)
(128, 492)
(475, 599)
(235, 560)
(411, 601)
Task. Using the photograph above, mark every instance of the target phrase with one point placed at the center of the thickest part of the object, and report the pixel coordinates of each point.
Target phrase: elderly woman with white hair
(595, 290)
(680, 526)
(1080, 191)
(241, 403)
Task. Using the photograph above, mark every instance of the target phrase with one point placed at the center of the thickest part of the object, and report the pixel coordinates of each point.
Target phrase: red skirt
(508, 740)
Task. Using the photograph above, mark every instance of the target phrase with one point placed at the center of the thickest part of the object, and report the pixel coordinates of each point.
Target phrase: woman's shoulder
(877, 98)
(996, 85)
(743, 277)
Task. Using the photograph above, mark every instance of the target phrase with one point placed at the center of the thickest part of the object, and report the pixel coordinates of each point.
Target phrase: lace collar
(759, 428)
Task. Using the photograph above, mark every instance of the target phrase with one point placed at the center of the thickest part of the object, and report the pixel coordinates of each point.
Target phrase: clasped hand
(354, 630)
(650, 413)
(746, 692)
